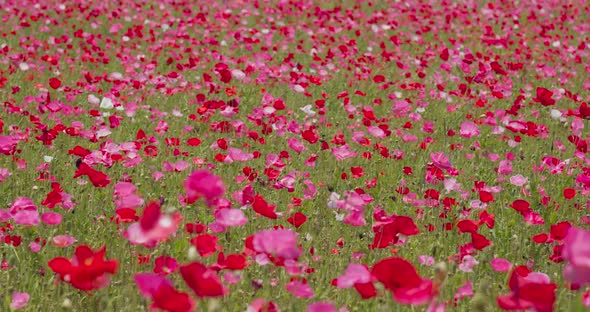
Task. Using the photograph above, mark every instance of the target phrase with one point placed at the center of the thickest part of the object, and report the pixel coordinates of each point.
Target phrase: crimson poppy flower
(401, 278)
(261, 206)
(87, 270)
(544, 97)
(529, 290)
(230, 262)
(584, 111)
(206, 244)
(165, 265)
(297, 219)
(202, 280)
(97, 178)
(164, 295)
(387, 230)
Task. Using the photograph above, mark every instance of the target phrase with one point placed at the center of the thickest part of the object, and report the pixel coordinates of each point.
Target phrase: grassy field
(384, 156)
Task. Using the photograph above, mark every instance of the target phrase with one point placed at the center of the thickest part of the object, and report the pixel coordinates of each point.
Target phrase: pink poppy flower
(469, 129)
(153, 226)
(278, 243)
(202, 183)
(19, 300)
(576, 251)
(299, 289)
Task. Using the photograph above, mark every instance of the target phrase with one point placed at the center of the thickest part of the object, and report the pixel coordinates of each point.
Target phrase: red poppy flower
(584, 111)
(261, 206)
(544, 97)
(203, 281)
(97, 178)
(528, 291)
(230, 262)
(87, 270)
(206, 244)
(401, 278)
(387, 232)
(297, 219)
(165, 297)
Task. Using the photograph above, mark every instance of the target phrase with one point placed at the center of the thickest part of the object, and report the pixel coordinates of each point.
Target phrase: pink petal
(417, 295)
(4, 174)
(230, 217)
(576, 249)
(279, 243)
(19, 300)
(63, 240)
(464, 291)
(5, 215)
(35, 247)
(149, 283)
(500, 265)
(468, 263)
(355, 273)
(202, 183)
(295, 145)
(299, 289)
(518, 180)
(124, 189)
(239, 155)
(469, 129)
(586, 299)
(321, 307)
(376, 132)
(51, 218)
(26, 217)
(343, 152)
(181, 165)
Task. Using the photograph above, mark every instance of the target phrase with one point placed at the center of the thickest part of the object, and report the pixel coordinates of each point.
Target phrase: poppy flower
(19, 300)
(576, 252)
(299, 288)
(8, 144)
(297, 219)
(230, 262)
(544, 97)
(202, 280)
(165, 265)
(262, 207)
(54, 83)
(203, 184)
(584, 111)
(359, 277)
(87, 270)
(164, 295)
(387, 232)
(153, 226)
(277, 243)
(529, 290)
(97, 178)
(206, 244)
(401, 278)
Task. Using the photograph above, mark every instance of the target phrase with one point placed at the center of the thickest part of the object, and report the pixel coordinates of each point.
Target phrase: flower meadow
(294, 155)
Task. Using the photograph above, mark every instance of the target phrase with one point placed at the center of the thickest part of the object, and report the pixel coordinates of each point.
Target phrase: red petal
(479, 241)
(297, 219)
(60, 265)
(366, 290)
(150, 216)
(396, 273)
(203, 281)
